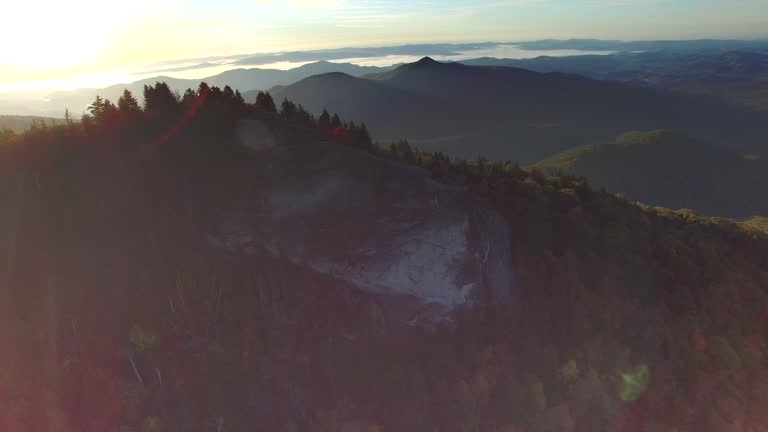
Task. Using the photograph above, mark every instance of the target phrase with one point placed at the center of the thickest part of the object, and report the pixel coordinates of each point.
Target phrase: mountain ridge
(511, 113)
(243, 79)
(735, 76)
(671, 170)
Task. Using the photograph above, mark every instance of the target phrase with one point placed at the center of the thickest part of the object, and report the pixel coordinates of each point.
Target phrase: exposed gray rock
(382, 226)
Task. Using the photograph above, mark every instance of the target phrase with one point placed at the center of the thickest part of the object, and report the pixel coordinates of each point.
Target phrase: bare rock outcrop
(382, 226)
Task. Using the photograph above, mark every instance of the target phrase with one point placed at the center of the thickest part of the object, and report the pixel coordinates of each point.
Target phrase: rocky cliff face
(382, 226)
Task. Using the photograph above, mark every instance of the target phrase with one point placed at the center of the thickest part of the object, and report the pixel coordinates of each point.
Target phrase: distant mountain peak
(332, 76)
(427, 61)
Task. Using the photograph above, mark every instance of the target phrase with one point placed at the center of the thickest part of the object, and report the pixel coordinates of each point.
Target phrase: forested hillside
(672, 170)
(124, 309)
(506, 113)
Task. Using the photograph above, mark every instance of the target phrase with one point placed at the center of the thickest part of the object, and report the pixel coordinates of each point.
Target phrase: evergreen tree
(228, 93)
(303, 116)
(97, 106)
(127, 104)
(364, 136)
(203, 89)
(239, 103)
(335, 121)
(216, 94)
(160, 100)
(288, 110)
(265, 103)
(324, 121)
(102, 110)
(188, 99)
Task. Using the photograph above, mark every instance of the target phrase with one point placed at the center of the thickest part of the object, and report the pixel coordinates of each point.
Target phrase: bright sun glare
(51, 34)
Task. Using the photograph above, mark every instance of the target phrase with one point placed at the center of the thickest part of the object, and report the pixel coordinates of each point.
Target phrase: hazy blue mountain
(365, 52)
(456, 49)
(389, 113)
(262, 79)
(512, 113)
(737, 76)
(613, 45)
(78, 100)
(241, 79)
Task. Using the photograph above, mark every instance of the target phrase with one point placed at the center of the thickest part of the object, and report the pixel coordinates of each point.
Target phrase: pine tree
(127, 104)
(288, 110)
(364, 136)
(97, 106)
(239, 101)
(203, 90)
(188, 99)
(160, 100)
(324, 121)
(335, 121)
(102, 110)
(264, 103)
(303, 116)
(228, 93)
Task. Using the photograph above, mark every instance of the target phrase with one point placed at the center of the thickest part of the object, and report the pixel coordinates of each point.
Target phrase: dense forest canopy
(120, 313)
(672, 170)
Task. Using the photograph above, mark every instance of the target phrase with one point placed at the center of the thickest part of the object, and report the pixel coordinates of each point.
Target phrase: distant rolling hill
(737, 76)
(648, 45)
(17, 123)
(240, 79)
(516, 114)
(671, 170)
(390, 113)
(262, 79)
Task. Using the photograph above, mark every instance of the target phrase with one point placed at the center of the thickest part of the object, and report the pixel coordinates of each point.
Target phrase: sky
(52, 41)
